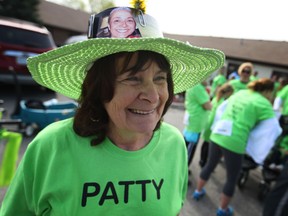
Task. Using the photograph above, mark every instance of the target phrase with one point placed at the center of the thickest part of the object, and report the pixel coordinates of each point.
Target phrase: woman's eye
(161, 79)
(130, 20)
(116, 21)
(132, 79)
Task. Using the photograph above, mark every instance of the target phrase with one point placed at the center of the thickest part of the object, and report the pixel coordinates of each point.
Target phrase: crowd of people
(240, 108)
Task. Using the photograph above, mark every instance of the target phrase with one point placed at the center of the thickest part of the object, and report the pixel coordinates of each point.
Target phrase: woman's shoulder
(254, 98)
(262, 106)
(283, 92)
(59, 127)
(195, 88)
(171, 137)
(57, 132)
(168, 129)
(53, 139)
(233, 81)
(246, 93)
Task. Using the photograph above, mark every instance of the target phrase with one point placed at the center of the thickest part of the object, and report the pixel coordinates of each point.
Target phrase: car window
(23, 37)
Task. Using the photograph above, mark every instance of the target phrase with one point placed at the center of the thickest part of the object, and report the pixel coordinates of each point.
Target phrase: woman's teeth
(141, 112)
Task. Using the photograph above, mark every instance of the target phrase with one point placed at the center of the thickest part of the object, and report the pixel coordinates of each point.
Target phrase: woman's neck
(130, 142)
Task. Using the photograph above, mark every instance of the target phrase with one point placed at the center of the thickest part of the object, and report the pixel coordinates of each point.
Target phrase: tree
(91, 6)
(20, 9)
(96, 6)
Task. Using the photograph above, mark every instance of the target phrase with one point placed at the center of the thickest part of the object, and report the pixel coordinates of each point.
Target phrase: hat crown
(123, 22)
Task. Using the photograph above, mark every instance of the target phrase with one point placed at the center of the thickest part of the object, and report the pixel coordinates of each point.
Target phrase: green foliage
(20, 9)
(97, 6)
(90, 6)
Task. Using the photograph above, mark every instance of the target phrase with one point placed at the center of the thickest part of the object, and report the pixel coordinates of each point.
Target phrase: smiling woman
(134, 105)
(109, 158)
(121, 23)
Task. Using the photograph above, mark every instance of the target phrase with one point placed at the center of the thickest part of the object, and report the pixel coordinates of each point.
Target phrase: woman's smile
(141, 112)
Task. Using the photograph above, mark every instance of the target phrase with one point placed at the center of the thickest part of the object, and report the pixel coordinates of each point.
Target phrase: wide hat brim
(64, 69)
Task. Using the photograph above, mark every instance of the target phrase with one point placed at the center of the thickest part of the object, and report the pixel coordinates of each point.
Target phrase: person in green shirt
(116, 156)
(197, 105)
(276, 81)
(245, 70)
(283, 81)
(224, 92)
(280, 104)
(218, 81)
(244, 110)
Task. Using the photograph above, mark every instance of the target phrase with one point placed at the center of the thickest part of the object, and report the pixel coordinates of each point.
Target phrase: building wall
(60, 35)
(62, 21)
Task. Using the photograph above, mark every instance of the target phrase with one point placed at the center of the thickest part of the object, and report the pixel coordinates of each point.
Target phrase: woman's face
(138, 101)
(121, 24)
(245, 74)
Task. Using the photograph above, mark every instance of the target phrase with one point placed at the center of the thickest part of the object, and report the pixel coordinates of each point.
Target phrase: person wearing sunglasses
(245, 70)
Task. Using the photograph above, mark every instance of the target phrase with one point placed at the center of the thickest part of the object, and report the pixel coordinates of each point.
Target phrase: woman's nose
(124, 23)
(149, 92)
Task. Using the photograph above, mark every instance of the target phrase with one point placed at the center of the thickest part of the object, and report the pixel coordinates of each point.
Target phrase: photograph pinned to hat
(64, 69)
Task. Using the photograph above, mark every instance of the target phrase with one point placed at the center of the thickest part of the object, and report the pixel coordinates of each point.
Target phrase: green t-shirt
(284, 143)
(61, 174)
(237, 85)
(215, 105)
(194, 99)
(278, 92)
(253, 78)
(276, 85)
(283, 94)
(245, 109)
(218, 81)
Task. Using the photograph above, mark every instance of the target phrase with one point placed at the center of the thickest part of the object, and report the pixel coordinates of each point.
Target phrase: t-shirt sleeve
(283, 94)
(16, 197)
(264, 110)
(201, 95)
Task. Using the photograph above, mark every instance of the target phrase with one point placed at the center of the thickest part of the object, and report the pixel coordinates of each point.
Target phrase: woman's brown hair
(223, 90)
(91, 118)
(261, 85)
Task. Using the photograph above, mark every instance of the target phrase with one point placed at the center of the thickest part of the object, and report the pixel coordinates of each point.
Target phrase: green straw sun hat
(63, 69)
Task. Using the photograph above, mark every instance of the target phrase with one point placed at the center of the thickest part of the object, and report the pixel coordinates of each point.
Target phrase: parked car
(18, 41)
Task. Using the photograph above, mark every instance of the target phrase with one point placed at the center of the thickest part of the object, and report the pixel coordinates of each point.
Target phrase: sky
(242, 19)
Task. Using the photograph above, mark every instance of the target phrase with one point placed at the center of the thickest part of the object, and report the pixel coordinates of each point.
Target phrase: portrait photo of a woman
(121, 24)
